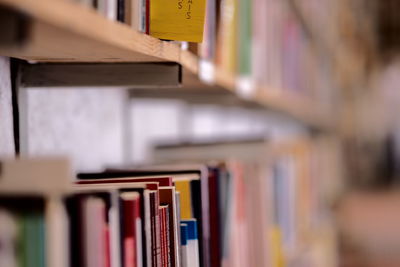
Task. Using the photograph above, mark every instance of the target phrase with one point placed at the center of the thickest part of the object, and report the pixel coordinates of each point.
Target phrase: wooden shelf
(64, 31)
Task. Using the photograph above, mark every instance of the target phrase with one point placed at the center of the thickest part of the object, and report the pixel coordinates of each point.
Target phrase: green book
(31, 250)
(244, 37)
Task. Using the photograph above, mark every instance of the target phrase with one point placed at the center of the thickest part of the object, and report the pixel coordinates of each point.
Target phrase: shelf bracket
(127, 75)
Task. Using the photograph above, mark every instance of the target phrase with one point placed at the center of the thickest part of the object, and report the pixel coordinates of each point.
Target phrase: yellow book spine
(278, 258)
(182, 20)
(186, 199)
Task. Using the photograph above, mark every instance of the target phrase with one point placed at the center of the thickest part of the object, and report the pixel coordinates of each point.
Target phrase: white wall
(83, 124)
(6, 116)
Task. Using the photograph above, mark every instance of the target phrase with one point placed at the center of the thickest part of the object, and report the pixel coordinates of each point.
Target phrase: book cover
(182, 20)
(184, 245)
(192, 243)
(185, 197)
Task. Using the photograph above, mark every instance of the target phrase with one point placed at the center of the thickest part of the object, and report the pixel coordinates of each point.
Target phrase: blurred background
(339, 58)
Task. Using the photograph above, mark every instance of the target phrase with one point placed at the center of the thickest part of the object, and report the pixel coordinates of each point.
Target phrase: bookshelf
(58, 31)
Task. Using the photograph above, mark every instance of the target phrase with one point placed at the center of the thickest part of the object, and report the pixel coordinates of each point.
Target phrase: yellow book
(227, 52)
(186, 199)
(278, 258)
(181, 20)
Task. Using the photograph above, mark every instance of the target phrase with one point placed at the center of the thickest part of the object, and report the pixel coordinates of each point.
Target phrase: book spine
(147, 5)
(148, 228)
(168, 236)
(128, 238)
(153, 215)
(162, 235)
(157, 228)
(215, 247)
(121, 10)
(138, 232)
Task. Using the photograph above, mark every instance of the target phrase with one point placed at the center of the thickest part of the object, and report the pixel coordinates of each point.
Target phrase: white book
(115, 231)
(112, 8)
(184, 245)
(139, 250)
(192, 243)
(57, 233)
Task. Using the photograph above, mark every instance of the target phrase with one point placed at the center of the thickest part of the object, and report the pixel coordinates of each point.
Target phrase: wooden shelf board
(286, 103)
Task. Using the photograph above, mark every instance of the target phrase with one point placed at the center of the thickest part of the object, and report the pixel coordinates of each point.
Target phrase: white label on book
(245, 87)
(206, 71)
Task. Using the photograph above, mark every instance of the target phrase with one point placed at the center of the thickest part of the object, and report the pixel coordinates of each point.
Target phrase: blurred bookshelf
(280, 120)
(58, 31)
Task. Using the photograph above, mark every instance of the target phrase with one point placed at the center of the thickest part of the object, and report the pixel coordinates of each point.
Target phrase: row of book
(181, 21)
(258, 211)
(262, 43)
(130, 12)
(265, 45)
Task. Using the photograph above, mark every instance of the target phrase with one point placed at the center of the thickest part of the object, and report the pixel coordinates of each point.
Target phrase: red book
(166, 236)
(130, 204)
(148, 16)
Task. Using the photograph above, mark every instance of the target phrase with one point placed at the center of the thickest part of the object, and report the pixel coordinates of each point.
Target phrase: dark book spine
(74, 209)
(153, 215)
(147, 16)
(195, 188)
(121, 10)
(143, 228)
(215, 247)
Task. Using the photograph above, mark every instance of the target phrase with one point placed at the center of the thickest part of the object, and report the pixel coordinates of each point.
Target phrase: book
(149, 233)
(131, 228)
(215, 240)
(168, 198)
(192, 243)
(244, 42)
(186, 200)
(164, 236)
(181, 21)
(196, 177)
(121, 10)
(155, 228)
(95, 232)
(184, 245)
